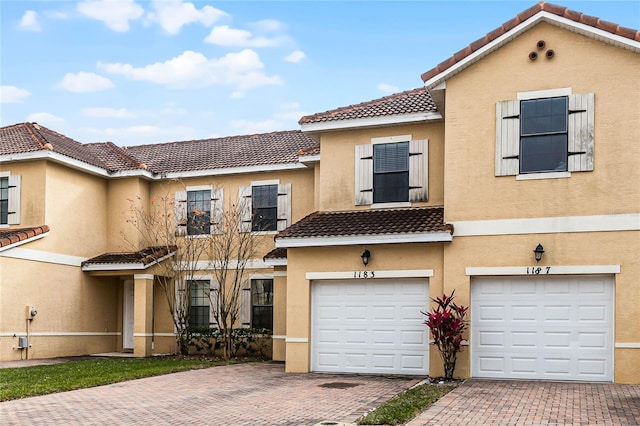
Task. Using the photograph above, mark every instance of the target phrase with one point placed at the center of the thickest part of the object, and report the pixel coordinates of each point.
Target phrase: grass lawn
(407, 405)
(43, 379)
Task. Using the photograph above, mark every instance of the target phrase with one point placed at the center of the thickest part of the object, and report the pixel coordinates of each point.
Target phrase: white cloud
(224, 35)
(139, 134)
(267, 25)
(172, 15)
(84, 82)
(44, 118)
(388, 88)
(242, 70)
(30, 22)
(250, 127)
(55, 14)
(295, 56)
(12, 94)
(109, 113)
(116, 14)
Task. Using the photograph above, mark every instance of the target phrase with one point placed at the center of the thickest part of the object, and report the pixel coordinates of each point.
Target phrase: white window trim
(548, 93)
(391, 205)
(198, 188)
(391, 139)
(261, 276)
(547, 175)
(265, 182)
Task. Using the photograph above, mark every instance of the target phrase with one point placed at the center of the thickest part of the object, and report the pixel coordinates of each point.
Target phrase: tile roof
(523, 16)
(276, 253)
(369, 222)
(226, 152)
(12, 236)
(408, 102)
(144, 257)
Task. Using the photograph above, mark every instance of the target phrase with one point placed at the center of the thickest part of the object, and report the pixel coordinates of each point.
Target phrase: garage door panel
(382, 331)
(564, 332)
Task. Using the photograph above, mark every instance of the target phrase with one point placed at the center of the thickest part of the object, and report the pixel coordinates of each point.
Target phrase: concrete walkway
(510, 402)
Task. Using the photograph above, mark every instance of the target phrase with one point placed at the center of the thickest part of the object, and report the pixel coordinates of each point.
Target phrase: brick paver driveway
(510, 402)
(243, 394)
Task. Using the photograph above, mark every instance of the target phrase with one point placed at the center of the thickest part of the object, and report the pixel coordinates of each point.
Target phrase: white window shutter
(244, 208)
(214, 303)
(284, 206)
(364, 175)
(217, 210)
(245, 305)
(419, 170)
(580, 144)
(14, 200)
(180, 213)
(507, 138)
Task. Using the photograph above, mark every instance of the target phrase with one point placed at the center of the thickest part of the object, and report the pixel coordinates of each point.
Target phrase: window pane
(262, 304)
(198, 212)
(543, 153)
(4, 200)
(391, 157)
(540, 116)
(199, 312)
(264, 202)
(391, 187)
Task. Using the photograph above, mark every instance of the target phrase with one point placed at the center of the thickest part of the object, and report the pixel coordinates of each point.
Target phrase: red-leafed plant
(447, 324)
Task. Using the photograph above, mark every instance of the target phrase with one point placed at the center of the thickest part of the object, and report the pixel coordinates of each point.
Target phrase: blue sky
(136, 72)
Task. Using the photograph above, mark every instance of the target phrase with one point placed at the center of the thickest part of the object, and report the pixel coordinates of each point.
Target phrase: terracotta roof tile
(408, 102)
(369, 222)
(145, 256)
(276, 253)
(12, 236)
(234, 151)
(523, 16)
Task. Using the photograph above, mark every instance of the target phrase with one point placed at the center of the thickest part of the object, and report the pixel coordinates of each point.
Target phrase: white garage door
(552, 328)
(370, 326)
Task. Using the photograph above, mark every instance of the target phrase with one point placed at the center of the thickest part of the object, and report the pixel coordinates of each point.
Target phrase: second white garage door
(552, 328)
(370, 326)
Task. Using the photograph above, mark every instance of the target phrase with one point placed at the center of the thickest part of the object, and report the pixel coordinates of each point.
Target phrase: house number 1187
(532, 270)
(364, 274)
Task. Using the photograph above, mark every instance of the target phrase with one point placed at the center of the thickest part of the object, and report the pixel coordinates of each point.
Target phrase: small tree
(447, 324)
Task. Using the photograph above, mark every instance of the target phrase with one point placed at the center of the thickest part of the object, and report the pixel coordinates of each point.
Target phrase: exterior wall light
(538, 252)
(366, 255)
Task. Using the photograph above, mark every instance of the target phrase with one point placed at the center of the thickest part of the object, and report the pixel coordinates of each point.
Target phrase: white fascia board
(233, 170)
(428, 237)
(547, 225)
(568, 24)
(54, 156)
(123, 266)
(276, 262)
(309, 159)
(371, 122)
(208, 265)
(43, 256)
(19, 243)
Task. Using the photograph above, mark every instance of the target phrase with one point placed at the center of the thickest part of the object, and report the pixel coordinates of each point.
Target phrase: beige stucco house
(527, 139)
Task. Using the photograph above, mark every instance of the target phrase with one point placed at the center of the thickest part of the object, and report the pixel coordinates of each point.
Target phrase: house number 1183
(364, 274)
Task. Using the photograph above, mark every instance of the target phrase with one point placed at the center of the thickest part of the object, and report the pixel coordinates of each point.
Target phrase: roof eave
(350, 240)
(25, 241)
(370, 122)
(282, 261)
(542, 16)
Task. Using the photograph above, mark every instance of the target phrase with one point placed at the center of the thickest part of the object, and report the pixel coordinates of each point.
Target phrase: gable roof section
(235, 152)
(541, 12)
(141, 259)
(10, 238)
(375, 226)
(405, 107)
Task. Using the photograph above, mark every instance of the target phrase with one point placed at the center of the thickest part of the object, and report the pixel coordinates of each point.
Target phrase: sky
(136, 72)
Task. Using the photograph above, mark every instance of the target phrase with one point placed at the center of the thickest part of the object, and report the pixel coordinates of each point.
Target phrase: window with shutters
(199, 211)
(9, 199)
(262, 303)
(391, 170)
(545, 135)
(265, 206)
(199, 313)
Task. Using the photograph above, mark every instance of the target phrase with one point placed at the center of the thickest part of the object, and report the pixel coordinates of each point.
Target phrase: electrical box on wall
(31, 312)
(22, 342)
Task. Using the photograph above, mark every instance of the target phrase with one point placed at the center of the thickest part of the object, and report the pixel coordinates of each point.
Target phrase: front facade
(526, 139)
